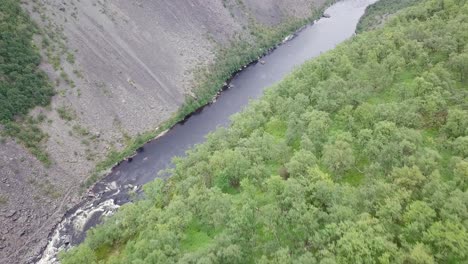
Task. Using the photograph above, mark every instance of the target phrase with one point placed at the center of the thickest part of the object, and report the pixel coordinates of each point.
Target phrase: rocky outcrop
(126, 66)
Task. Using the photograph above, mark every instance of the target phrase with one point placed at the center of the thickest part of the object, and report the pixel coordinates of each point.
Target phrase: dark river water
(112, 191)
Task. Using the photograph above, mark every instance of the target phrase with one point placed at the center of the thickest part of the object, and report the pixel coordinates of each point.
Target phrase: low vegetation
(359, 156)
(3, 200)
(66, 113)
(27, 132)
(22, 85)
(382, 10)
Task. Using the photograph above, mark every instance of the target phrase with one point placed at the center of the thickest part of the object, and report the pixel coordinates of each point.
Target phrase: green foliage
(3, 200)
(84, 255)
(65, 113)
(70, 58)
(22, 84)
(376, 14)
(196, 238)
(30, 135)
(457, 123)
(338, 157)
(459, 63)
(385, 111)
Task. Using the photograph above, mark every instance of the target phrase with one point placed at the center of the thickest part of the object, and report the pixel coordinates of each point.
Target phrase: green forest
(382, 10)
(22, 84)
(358, 156)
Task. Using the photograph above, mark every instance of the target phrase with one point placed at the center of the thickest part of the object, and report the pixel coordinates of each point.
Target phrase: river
(112, 191)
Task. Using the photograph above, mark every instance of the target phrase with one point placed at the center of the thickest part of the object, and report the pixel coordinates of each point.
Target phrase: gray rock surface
(133, 66)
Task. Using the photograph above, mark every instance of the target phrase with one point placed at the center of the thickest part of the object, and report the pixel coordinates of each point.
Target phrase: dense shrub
(22, 84)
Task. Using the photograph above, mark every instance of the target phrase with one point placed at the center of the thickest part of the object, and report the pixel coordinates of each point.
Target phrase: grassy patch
(353, 177)
(3, 200)
(196, 238)
(104, 252)
(276, 128)
(66, 113)
(28, 133)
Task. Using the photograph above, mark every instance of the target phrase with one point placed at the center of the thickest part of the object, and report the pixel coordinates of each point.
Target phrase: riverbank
(377, 14)
(119, 68)
(229, 62)
(157, 154)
